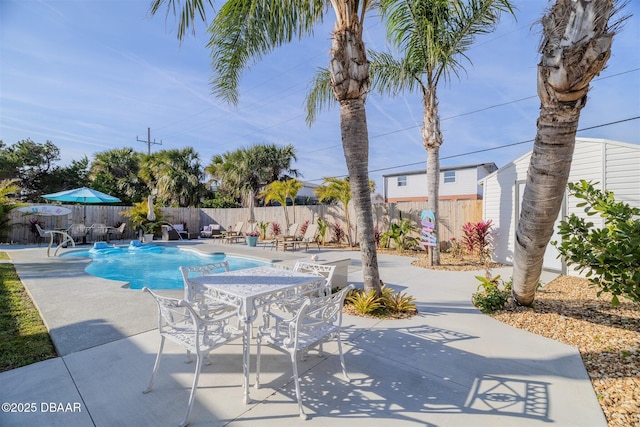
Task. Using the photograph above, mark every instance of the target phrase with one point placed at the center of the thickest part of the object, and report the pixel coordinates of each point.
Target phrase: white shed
(615, 166)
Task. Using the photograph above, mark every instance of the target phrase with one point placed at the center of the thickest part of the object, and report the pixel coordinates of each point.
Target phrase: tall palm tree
(432, 37)
(245, 30)
(115, 172)
(247, 170)
(175, 176)
(576, 45)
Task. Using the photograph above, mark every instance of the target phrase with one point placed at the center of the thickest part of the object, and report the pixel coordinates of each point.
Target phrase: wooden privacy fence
(453, 214)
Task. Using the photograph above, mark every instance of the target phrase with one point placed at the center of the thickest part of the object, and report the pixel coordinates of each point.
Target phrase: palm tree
(245, 30)
(175, 176)
(280, 191)
(339, 189)
(432, 36)
(576, 44)
(115, 172)
(247, 170)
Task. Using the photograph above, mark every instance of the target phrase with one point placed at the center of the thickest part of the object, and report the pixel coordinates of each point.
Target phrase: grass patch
(23, 337)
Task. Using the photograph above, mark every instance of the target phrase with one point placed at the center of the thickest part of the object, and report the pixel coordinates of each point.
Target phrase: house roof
(489, 166)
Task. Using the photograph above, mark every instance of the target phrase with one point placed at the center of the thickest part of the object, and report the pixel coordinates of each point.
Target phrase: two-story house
(456, 183)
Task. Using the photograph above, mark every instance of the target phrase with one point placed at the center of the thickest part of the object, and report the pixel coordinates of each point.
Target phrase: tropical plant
(576, 45)
(174, 176)
(262, 226)
(399, 302)
(276, 230)
(432, 36)
(478, 238)
(609, 255)
(246, 170)
(339, 189)
(493, 293)
(322, 230)
(137, 215)
(281, 191)
(363, 302)
(338, 233)
(400, 234)
(245, 30)
(116, 171)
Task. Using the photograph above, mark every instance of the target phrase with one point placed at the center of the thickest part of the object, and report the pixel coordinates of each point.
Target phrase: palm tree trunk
(355, 142)
(432, 140)
(349, 71)
(576, 46)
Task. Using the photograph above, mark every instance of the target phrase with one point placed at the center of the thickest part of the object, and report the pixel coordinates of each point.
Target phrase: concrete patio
(448, 366)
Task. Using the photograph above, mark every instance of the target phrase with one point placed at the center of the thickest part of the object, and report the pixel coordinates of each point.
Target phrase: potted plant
(252, 237)
(137, 215)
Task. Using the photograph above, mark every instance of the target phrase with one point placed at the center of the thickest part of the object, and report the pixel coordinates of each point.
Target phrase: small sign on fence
(428, 221)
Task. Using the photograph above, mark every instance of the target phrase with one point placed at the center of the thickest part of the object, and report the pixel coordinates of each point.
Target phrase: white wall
(614, 165)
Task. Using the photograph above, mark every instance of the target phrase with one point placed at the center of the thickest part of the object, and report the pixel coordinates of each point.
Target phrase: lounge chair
(176, 232)
(65, 239)
(310, 236)
(235, 234)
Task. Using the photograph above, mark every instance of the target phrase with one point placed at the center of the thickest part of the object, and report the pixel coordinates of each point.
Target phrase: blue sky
(92, 75)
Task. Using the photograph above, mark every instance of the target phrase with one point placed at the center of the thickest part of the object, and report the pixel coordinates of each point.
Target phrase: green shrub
(367, 303)
(494, 294)
(611, 255)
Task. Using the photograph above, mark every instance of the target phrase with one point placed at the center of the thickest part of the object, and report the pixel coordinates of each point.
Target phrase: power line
(484, 150)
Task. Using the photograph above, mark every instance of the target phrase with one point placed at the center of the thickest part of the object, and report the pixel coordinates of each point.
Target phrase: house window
(402, 181)
(449, 176)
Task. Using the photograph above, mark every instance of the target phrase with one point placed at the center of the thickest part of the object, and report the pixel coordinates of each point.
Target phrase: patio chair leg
(294, 364)
(344, 367)
(192, 396)
(155, 367)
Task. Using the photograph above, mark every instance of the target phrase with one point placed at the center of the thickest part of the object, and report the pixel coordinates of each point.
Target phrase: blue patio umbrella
(82, 195)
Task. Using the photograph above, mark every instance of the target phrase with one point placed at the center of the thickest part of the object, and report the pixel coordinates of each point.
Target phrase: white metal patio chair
(65, 239)
(316, 320)
(179, 322)
(192, 293)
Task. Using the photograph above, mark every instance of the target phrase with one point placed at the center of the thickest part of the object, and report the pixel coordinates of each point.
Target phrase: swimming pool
(153, 266)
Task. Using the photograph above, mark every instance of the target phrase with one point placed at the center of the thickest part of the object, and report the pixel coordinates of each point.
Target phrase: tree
(8, 190)
(576, 44)
(280, 191)
(246, 170)
(245, 30)
(116, 171)
(175, 176)
(34, 165)
(432, 36)
(339, 189)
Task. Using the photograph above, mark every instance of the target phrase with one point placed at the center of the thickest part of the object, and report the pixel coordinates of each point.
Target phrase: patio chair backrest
(321, 270)
(292, 230)
(77, 230)
(179, 322)
(192, 293)
(41, 232)
(315, 321)
(310, 233)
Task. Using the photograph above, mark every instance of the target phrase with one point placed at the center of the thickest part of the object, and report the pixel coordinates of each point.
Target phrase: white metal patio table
(251, 289)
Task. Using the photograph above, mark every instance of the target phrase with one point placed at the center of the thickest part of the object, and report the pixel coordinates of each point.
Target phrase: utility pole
(148, 141)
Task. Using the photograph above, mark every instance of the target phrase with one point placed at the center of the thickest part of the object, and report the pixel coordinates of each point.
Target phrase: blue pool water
(153, 266)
